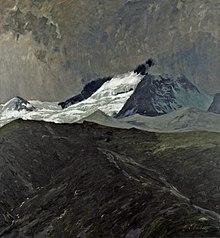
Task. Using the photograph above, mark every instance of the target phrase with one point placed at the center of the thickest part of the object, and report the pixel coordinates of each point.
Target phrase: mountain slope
(215, 106)
(184, 119)
(89, 89)
(101, 118)
(157, 95)
(107, 182)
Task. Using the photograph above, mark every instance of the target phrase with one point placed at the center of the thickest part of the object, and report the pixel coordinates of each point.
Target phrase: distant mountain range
(123, 99)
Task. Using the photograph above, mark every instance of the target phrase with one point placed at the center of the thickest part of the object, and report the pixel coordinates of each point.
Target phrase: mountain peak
(17, 104)
(160, 94)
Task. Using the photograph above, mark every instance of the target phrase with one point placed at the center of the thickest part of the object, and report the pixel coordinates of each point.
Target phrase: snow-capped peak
(17, 104)
(109, 97)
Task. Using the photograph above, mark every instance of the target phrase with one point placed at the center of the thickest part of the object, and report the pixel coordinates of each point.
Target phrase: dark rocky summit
(215, 106)
(143, 68)
(50, 48)
(157, 95)
(107, 182)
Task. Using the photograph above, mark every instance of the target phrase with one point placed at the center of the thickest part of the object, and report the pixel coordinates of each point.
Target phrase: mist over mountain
(49, 49)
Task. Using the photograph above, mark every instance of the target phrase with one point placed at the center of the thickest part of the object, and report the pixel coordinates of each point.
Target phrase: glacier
(109, 98)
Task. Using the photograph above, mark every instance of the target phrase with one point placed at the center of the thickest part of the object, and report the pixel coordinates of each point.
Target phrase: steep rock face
(215, 106)
(157, 95)
(48, 49)
(87, 91)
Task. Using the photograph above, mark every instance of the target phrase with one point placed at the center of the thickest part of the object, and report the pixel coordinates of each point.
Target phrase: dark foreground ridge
(86, 180)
